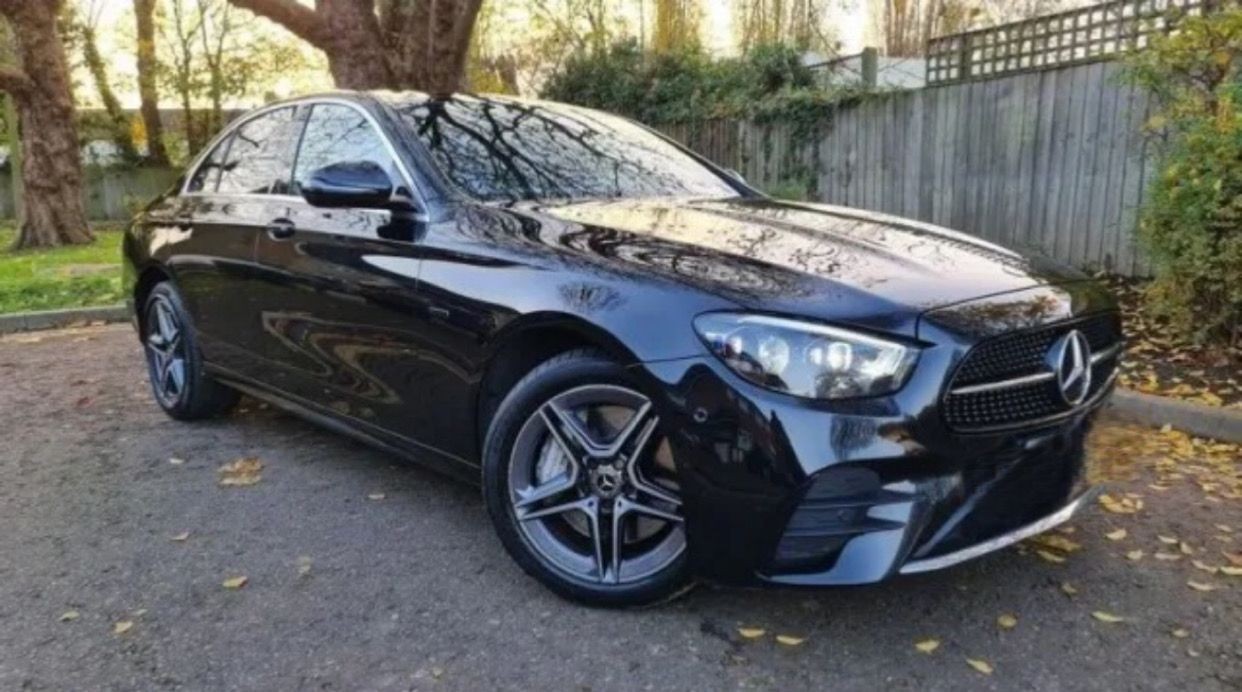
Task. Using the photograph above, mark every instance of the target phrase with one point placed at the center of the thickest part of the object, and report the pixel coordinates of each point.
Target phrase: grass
(64, 277)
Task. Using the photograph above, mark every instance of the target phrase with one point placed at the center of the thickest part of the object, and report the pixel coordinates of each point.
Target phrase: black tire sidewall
(201, 396)
(557, 375)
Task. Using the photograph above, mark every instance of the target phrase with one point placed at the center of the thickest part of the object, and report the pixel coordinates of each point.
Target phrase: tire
(562, 521)
(175, 364)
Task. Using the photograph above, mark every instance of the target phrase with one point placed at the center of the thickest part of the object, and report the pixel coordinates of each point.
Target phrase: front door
(341, 289)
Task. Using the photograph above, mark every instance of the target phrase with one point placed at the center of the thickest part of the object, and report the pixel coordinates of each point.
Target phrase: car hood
(831, 263)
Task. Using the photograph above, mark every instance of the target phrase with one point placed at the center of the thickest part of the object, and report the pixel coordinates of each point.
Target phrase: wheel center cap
(606, 480)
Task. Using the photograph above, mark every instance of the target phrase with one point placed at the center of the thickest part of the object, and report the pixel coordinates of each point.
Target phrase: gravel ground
(350, 590)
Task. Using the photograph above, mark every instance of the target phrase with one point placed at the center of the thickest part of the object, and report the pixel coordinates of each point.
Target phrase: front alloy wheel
(591, 501)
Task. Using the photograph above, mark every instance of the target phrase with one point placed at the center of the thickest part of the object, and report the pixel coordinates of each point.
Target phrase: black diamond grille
(1017, 355)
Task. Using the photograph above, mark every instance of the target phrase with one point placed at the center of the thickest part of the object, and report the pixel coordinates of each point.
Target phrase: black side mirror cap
(349, 184)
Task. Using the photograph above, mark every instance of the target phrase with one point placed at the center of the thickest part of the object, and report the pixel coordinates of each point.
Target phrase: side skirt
(372, 436)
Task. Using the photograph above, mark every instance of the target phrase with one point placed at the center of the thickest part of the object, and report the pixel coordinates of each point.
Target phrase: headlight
(806, 359)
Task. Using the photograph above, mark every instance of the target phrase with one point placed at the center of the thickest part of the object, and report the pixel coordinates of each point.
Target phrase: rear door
(341, 286)
(224, 210)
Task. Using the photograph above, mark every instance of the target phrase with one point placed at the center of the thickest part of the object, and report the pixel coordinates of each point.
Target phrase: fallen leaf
(1170, 557)
(1235, 558)
(304, 565)
(1167, 540)
(1201, 586)
(1180, 633)
(242, 472)
(1122, 505)
(1050, 556)
(980, 665)
(751, 632)
(176, 462)
(1185, 548)
(790, 640)
(1231, 571)
(1007, 621)
(235, 582)
(184, 535)
(70, 616)
(376, 496)
(1117, 535)
(1225, 528)
(1134, 555)
(927, 645)
(1103, 616)
(122, 627)
(1055, 542)
(1068, 589)
(1200, 565)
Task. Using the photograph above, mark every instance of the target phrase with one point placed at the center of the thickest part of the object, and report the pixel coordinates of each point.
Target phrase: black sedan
(655, 372)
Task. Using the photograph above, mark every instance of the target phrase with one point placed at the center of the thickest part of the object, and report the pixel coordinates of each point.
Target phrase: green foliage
(769, 82)
(1192, 223)
(64, 277)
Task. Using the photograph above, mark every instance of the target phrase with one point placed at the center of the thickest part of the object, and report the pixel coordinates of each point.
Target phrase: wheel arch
(525, 343)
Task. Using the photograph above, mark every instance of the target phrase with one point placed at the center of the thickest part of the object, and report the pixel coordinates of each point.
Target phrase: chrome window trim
(311, 101)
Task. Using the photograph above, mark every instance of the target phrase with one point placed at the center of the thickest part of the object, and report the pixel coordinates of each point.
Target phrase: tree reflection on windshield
(502, 150)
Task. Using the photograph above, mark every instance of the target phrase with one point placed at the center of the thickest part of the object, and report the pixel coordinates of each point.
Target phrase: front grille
(1002, 375)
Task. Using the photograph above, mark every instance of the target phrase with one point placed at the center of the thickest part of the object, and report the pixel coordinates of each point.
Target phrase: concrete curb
(1223, 424)
(54, 319)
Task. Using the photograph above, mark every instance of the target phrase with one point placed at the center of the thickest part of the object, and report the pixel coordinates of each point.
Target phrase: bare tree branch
(303, 21)
(15, 82)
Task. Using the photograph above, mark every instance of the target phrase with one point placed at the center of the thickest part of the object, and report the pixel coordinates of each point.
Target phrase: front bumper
(785, 491)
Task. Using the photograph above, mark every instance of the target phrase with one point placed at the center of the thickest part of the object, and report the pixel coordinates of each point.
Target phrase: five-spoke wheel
(590, 491)
(178, 382)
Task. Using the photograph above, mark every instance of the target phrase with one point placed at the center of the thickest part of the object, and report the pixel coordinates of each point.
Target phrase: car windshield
(500, 150)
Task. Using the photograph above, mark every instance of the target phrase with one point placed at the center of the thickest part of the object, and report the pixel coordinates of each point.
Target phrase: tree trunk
(54, 213)
(144, 12)
(112, 106)
(407, 44)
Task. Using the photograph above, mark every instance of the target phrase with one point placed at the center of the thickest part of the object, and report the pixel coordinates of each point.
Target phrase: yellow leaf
(1068, 589)
(1117, 535)
(1199, 565)
(242, 472)
(1231, 571)
(1055, 542)
(790, 640)
(1225, 528)
(1007, 621)
(70, 616)
(1180, 633)
(184, 535)
(980, 665)
(1185, 548)
(1134, 555)
(234, 582)
(1171, 557)
(751, 632)
(122, 627)
(1200, 586)
(927, 645)
(1103, 616)
(1167, 540)
(1050, 557)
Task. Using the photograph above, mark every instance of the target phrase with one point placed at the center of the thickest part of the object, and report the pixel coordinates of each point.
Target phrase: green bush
(687, 85)
(1191, 225)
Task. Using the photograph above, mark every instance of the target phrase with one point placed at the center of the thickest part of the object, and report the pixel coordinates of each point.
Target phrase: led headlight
(805, 359)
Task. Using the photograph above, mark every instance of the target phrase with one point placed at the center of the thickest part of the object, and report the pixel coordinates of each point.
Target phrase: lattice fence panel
(1074, 36)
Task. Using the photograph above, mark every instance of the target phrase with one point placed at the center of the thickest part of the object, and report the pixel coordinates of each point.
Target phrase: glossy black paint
(387, 324)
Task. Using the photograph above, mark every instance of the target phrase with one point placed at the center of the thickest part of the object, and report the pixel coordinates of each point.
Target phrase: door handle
(281, 228)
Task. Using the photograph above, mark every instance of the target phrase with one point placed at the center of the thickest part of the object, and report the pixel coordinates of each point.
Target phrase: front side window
(500, 150)
(258, 160)
(338, 134)
(208, 173)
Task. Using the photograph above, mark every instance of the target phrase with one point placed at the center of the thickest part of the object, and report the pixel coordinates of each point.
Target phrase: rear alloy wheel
(174, 365)
(591, 503)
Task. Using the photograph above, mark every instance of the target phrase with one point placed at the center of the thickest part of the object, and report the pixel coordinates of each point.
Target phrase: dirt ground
(364, 572)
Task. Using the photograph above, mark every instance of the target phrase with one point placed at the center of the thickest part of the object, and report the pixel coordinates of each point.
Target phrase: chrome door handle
(281, 228)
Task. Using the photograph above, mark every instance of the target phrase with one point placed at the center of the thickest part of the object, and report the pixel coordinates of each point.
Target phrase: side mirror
(736, 176)
(349, 184)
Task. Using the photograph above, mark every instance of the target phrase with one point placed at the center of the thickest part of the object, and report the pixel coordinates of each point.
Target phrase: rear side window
(208, 173)
(338, 134)
(259, 159)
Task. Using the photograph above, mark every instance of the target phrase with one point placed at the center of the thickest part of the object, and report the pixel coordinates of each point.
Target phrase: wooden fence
(1053, 160)
(111, 193)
